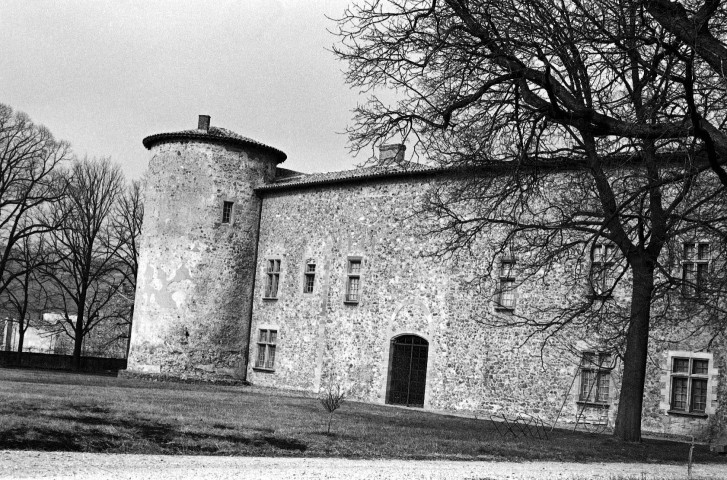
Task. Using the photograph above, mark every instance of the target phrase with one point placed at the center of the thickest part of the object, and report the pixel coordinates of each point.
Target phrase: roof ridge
(359, 173)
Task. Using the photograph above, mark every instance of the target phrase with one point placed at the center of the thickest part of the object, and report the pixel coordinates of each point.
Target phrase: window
(266, 349)
(353, 282)
(505, 294)
(595, 377)
(273, 274)
(602, 269)
(226, 212)
(310, 277)
(689, 384)
(695, 263)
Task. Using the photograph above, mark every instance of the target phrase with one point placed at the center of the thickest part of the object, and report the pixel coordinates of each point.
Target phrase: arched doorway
(407, 371)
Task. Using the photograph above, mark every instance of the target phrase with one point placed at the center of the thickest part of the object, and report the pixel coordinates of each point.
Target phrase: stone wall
(195, 272)
(472, 367)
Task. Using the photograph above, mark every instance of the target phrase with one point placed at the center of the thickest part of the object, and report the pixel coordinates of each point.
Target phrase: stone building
(252, 271)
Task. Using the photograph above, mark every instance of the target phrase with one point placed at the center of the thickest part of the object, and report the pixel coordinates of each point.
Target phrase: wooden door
(408, 375)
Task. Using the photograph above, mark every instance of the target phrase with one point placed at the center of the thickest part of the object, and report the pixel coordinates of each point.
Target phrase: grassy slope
(52, 411)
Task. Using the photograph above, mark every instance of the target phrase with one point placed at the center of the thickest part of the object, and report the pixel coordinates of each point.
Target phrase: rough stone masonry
(251, 271)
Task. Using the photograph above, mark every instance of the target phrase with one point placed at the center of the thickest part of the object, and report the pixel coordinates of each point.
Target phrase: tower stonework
(197, 253)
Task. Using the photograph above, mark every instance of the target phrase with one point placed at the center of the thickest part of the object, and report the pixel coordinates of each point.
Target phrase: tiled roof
(346, 176)
(216, 134)
(281, 172)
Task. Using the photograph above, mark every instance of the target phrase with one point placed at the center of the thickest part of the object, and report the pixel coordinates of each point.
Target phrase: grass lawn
(58, 411)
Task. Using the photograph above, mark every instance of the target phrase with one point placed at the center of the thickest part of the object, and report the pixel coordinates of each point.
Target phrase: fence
(50, 361)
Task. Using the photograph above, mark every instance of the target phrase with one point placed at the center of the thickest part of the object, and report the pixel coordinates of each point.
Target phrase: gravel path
(64, 465)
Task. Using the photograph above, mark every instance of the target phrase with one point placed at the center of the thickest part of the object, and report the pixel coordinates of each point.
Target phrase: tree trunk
(631, 399)
(131, 324)
(21, 338)
(78, 342)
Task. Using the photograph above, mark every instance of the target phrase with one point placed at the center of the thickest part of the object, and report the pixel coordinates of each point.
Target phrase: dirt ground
(65, 465)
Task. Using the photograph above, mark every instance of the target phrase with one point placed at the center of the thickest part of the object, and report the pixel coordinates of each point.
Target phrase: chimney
(204, 123)
(391, 154)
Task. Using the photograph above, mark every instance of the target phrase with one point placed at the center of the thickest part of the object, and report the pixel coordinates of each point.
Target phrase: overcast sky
(105, 74)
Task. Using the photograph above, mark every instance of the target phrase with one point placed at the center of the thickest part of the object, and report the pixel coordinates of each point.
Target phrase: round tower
(197, 253)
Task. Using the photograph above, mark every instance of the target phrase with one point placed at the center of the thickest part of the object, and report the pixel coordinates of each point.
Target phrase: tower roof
(214, 134)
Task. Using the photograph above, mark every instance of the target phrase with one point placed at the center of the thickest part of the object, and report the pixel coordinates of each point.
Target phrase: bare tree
(513, 91)
(27, 297)
(699, 38)
(29, 157)
(87, 272)
(331, 398)
(699, 24)
(127, 222)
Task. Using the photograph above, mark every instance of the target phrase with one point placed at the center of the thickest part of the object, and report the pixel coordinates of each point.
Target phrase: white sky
(105, 74)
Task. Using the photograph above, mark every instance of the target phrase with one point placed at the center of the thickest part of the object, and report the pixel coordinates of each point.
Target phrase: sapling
(332, 399)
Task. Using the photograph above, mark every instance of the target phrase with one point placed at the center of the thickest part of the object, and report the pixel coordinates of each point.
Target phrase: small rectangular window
(602, 269)
(689, 378)
(695, 266)
(273, 278)
(505, 294)
(353, 282)
(226, 212)
(310, 277)
(266, 344)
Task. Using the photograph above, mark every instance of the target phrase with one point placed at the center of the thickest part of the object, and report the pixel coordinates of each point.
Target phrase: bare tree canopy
(68, 235)
(698, 24)
(629, 115)
(127, 221)
(28, 296)
(87, 272)
(547, 65)
(29, 157)
(699, 31)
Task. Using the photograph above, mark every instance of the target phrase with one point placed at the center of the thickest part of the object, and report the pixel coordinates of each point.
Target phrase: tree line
(69, 232)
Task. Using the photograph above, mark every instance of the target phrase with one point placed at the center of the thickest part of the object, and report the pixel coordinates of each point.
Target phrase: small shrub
(332, 399)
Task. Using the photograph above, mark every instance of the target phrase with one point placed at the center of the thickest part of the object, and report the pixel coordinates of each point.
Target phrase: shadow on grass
(89, 427)
(188, 419)
(286, 443)
(95, 430)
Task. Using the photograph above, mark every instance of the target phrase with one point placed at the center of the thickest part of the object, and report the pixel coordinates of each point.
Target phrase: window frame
(227, 208)
(506, 277)
(689, 378)
(353, 278)
(267, 346)
(309, 277)
(273, 268)
(598, 372)
(701, 267)
(600, 270)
